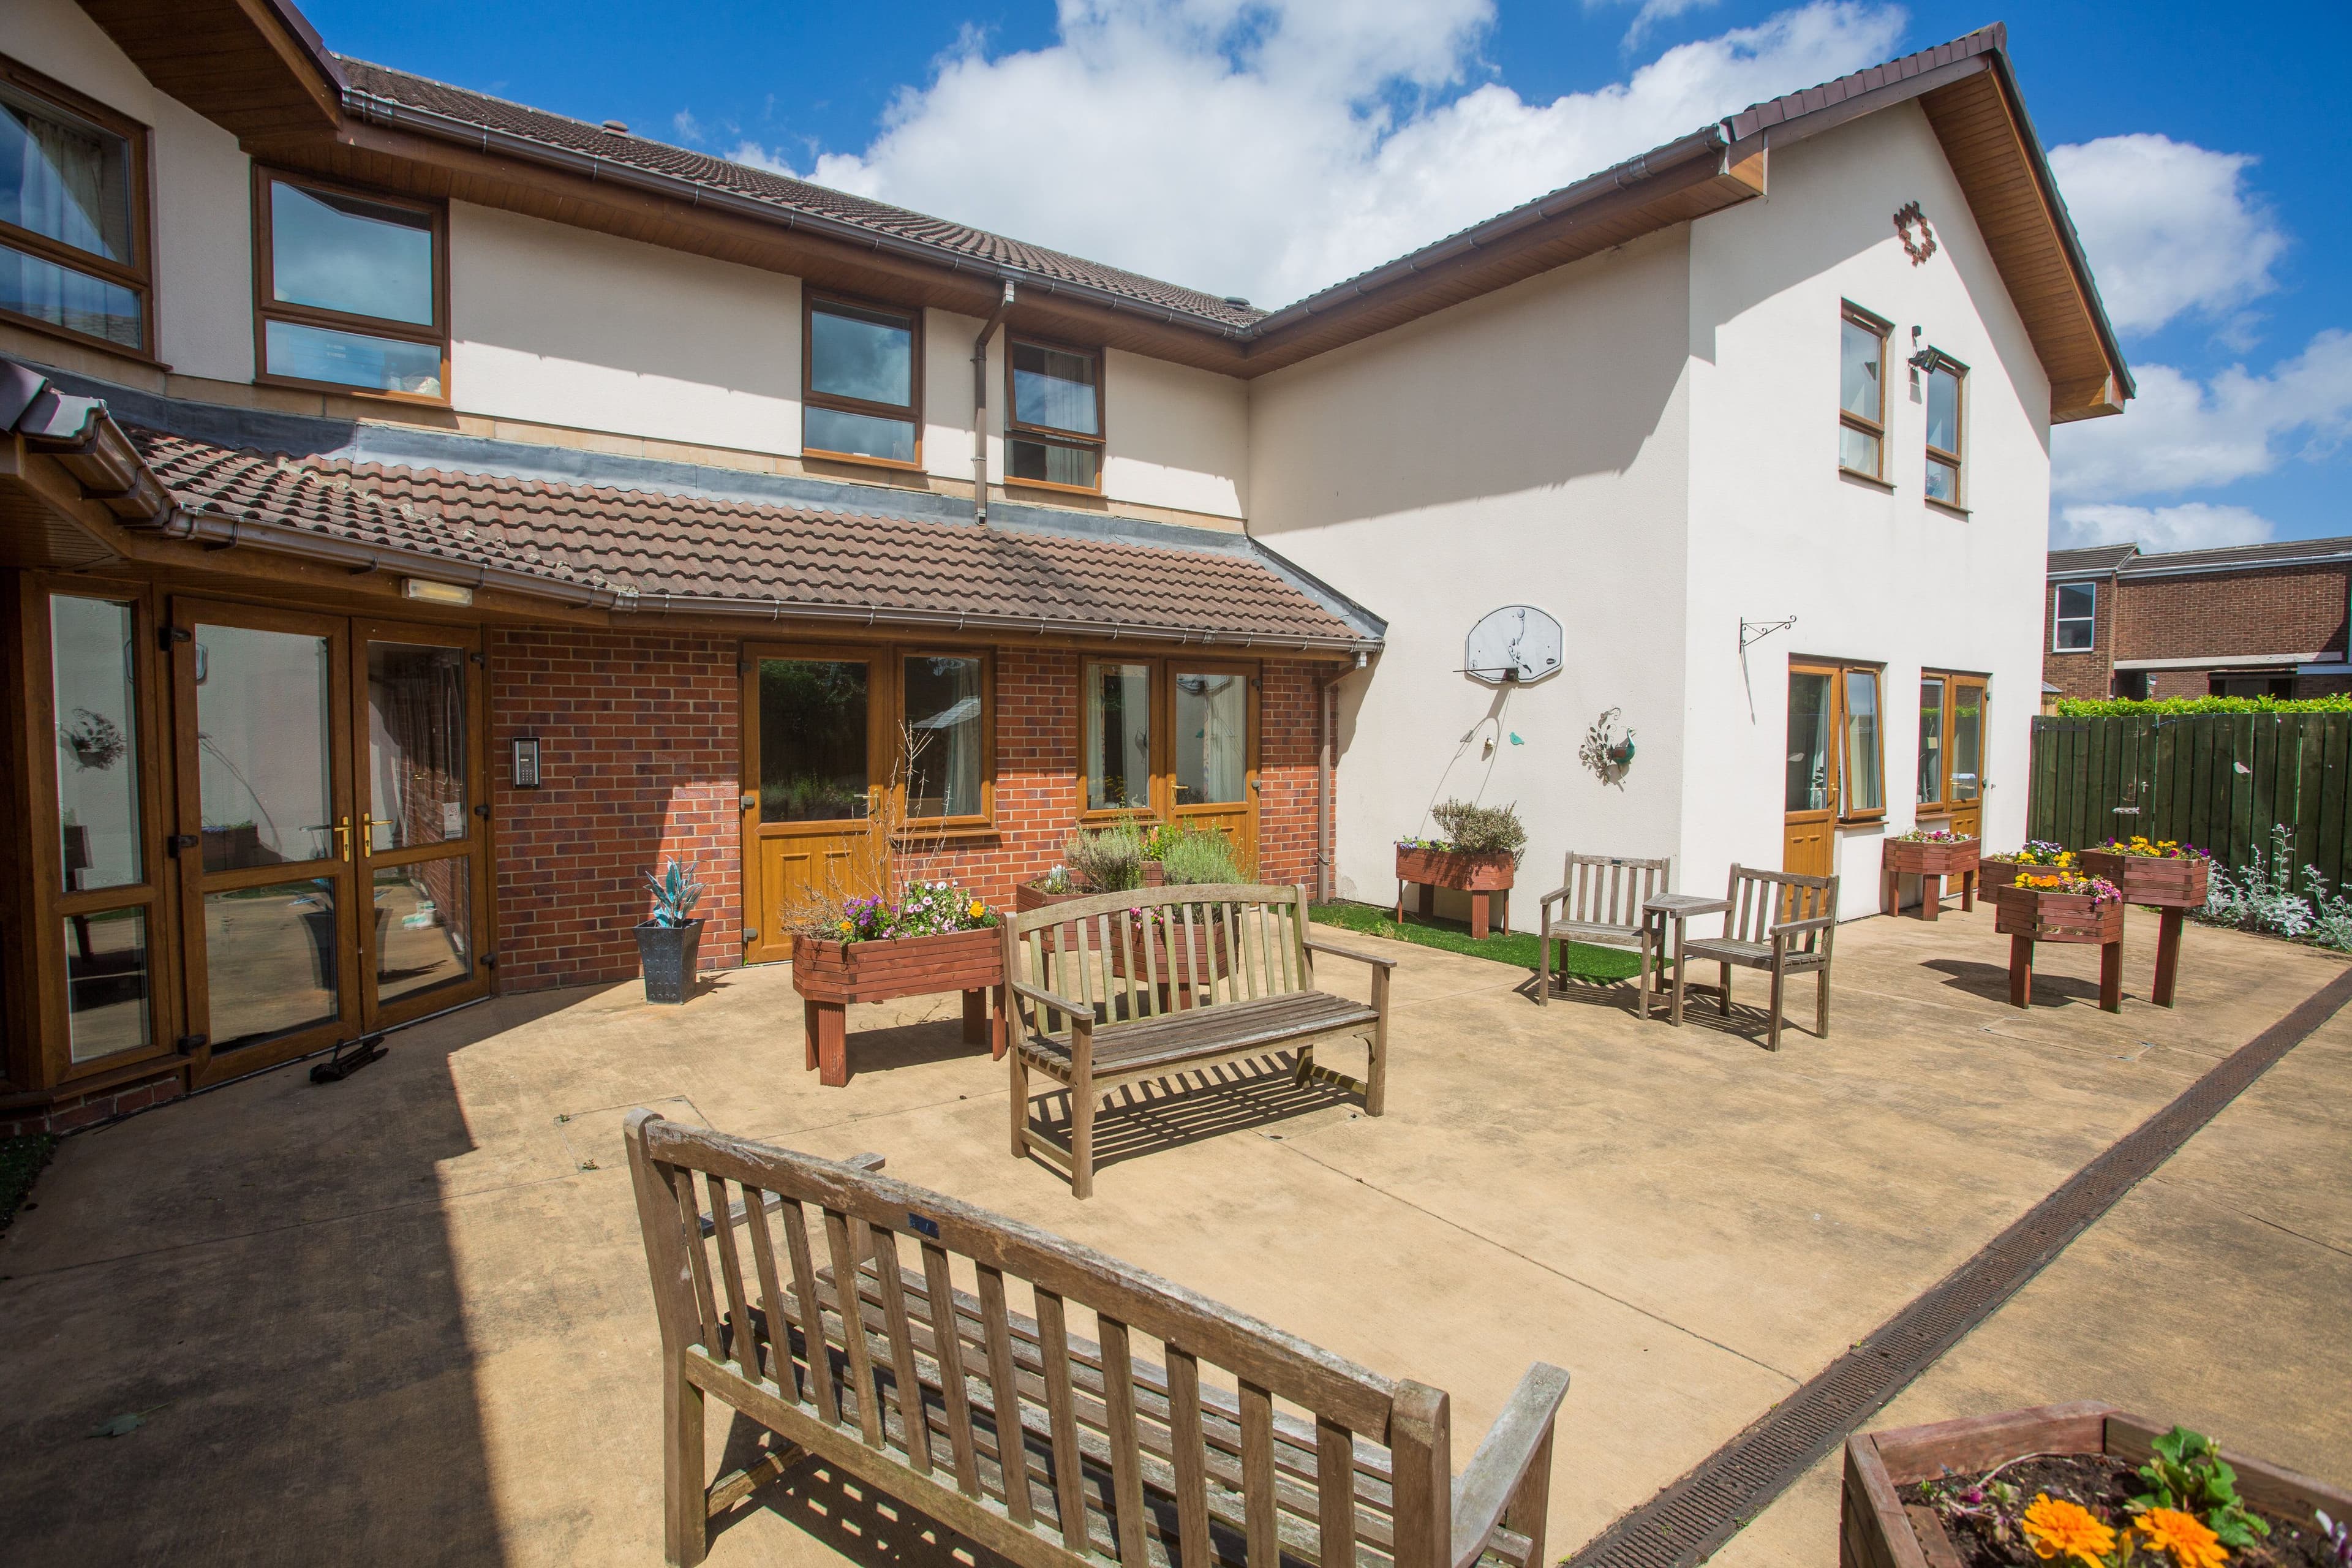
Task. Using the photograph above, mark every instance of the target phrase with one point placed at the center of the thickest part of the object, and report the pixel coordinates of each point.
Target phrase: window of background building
(2074, 616)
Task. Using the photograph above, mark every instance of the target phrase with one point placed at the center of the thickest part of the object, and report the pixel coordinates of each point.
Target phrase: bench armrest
(1050, 999)
(1314, 946)
(1555, 896)
(772, 1202)
(1519, 1439)
(1799, 927)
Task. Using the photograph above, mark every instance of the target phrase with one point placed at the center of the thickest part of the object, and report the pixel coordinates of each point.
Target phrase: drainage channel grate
(1686, 1521)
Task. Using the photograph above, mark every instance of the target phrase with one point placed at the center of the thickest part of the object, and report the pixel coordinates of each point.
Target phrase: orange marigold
(2184, 1535)
(2063, 1529)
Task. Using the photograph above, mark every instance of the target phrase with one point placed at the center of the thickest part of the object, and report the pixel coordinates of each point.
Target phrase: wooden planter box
(1995, 876)
(2174, 883)
(2029, 915)
(1931, 862)
(1477, 874)
(1876, 1530)
(831, 975)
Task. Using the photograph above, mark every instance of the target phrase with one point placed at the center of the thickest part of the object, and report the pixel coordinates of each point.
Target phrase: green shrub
(1482, 830)
(1106, 859)
(2165, 707)
(1192, 857)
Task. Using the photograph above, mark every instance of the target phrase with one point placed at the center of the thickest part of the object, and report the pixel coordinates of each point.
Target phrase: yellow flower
(2063, 1529)
(847, 926)
(978, 908)
(2184, 1535)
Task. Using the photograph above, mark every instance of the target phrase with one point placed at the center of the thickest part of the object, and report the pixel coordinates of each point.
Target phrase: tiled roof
(2276, 553)
(2096, 558)
(780, 191)
(797, 558)
(1772, 112)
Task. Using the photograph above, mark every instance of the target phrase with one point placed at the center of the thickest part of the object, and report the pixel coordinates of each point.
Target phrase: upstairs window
(2073, 618)
(1055, 431)
(73, 213)
(353, 290)
(1944, 431)
(864, 386)
(1862, 393)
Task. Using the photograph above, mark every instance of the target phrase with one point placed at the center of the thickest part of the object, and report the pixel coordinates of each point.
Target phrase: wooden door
(422, 842)
(1966, 751)
(261, 720)
(1809, 788)
(815, 765)
(1213, 773)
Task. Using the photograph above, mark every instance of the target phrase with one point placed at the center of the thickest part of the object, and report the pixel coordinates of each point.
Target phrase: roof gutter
(378, 109)
(773, 609)
(2194, 569)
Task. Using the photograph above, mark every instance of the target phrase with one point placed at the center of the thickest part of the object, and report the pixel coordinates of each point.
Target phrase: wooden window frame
(139, 275)
(1945, 803)
(1940, 361)
(968, 826)
(1848, 311)
(912, 413)
(1940, 804)
(1158, 791)
(1047, 435)
(1161, 804)
(2059, 623)
(268, 307)
(1837, 669)
(1253, 684)
(46, 1003)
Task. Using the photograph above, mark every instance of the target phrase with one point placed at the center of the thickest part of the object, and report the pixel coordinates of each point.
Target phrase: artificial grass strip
(1519, 949)
(21, 1159)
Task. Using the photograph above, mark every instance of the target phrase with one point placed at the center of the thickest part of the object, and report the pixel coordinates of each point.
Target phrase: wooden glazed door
(1967, 754)
(1212, 726)
(271, 937)
(815, 765)
(421, 843)
(1810, 787)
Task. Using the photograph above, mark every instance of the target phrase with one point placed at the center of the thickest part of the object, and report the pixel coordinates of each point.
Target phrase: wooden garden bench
(1601, 899)
(1163, 980)
(1778, 922)
(923, 1380)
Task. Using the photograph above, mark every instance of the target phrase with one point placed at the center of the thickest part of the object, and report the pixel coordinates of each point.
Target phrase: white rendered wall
(1526, 447)
(563, 326)
(200, 181)
(1174, 437)
(1870, 575)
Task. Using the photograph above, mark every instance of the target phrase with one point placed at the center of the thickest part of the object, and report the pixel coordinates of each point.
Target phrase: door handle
(343, 838)
(367, 833)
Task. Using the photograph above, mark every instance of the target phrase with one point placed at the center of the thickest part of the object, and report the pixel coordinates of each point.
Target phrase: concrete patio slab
(397, 1318)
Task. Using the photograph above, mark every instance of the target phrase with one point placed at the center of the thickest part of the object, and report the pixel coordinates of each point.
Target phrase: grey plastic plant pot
(667, 955)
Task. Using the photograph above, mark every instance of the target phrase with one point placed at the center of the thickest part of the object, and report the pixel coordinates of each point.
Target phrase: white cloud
(687, 127)
(1650, 15)
(2197, 525)
(1272, 148)
(2180, 434)
(2170, 230)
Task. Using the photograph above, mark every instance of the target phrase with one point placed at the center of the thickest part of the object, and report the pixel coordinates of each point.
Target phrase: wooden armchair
(1778, 922)
(1601, 899)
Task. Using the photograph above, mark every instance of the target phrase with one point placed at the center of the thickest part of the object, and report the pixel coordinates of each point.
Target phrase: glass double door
(332, 859)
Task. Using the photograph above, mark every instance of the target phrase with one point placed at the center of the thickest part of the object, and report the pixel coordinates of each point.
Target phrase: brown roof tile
(798, 558)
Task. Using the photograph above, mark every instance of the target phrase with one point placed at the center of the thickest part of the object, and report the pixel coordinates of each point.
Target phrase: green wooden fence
(2219, 781)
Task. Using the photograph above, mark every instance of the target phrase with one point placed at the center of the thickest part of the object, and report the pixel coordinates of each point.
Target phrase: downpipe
(980, 406)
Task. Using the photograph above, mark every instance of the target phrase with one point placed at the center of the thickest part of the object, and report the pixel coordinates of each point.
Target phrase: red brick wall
(2290, 610)
(639, 761)
(70, 1110)
(2089, 674)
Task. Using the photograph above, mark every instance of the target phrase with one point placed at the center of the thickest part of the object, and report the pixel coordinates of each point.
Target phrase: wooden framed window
(351, 290)
(1118, 752)
(1951, 749)
(1054, 418)
(75, 258)
(862, 380)
(1862, 393)
(1837, 746)
(2074, 616)
(946, 699)
(1946, 378)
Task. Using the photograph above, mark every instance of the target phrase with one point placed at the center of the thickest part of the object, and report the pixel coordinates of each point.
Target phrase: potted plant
(2063, 905)
(933, 936)
(1479, 854)
(2168, 876)
(670, 942)
(1995, 872)
(1110, 860)
(2083, 1485)
(1930, 853)
(1187, 858)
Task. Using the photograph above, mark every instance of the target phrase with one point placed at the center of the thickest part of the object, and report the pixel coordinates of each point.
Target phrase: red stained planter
(2029, 915)
(831, 975)
(1931, 861)
(1474, 874)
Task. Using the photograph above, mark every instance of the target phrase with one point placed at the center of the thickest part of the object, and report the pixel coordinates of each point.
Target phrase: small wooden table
(1675, 908)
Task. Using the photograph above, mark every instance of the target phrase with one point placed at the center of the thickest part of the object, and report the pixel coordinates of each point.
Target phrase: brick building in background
(2256, 620)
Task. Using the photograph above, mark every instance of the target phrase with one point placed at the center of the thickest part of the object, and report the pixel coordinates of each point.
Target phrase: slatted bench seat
(1160, 980)
(1148, 1464)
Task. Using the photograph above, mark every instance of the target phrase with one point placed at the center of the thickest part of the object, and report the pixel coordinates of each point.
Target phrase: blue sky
(1268, 147)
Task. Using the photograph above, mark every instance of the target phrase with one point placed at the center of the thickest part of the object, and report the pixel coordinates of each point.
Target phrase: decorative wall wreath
(1920, 245)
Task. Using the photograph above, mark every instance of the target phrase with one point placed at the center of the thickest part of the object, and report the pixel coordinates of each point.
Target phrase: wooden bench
(1601, 899)
(1051, 1448)
(1164, 980)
